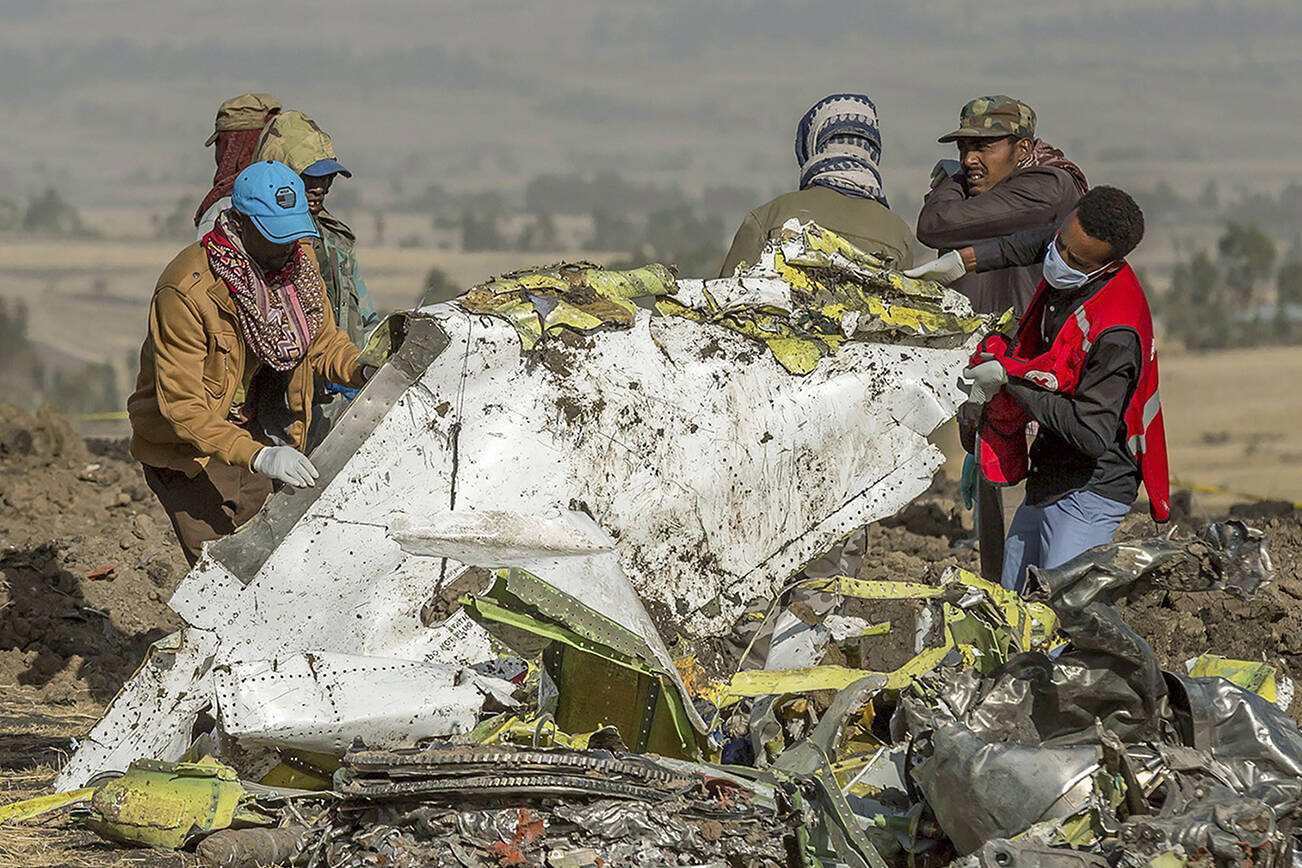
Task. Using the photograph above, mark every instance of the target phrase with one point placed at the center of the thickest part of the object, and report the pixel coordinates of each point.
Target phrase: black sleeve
(1088, 420)
(1011, 251)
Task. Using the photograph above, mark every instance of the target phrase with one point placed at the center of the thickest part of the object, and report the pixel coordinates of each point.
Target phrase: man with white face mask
(1082, 364)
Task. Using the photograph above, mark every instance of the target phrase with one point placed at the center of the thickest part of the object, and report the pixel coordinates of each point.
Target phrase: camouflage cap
(248, 111)
(994, 117)
(294, 139)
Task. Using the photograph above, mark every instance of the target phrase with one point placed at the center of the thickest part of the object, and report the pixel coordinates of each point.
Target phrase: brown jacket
(192, 362)
(1027, 199)
(865, 223)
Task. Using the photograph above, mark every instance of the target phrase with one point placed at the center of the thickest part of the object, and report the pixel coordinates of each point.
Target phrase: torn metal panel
(981, 790)
(479, 805)
(156, 709)
(718, 473)
(321, 702)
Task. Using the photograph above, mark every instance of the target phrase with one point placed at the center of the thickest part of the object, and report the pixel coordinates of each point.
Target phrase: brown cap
(248, 111)
(988, 117)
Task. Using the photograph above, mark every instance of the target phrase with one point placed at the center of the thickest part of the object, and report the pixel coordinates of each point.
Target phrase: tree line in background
(46, 212)
(1247, 289)
(1244, 290)
(30, 380)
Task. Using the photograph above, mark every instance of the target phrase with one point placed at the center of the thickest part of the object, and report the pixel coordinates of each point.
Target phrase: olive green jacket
(865, 223)
(345, 288)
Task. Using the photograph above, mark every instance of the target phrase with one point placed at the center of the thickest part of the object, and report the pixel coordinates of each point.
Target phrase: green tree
(539, 234)
(14, 343)
(438, 287)
(1288, 284)
(93, 389)
(1248, 257)
(480, 232)
(48, 212)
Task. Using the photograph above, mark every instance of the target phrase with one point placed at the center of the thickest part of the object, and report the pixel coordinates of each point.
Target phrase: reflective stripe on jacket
(1119, 304)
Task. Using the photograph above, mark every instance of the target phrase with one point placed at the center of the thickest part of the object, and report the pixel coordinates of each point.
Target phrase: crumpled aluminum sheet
(1001, 753)
(1227, 556)
(981, 789)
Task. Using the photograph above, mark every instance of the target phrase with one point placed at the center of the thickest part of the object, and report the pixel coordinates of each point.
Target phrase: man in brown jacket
(1006, 180)
(238, 325)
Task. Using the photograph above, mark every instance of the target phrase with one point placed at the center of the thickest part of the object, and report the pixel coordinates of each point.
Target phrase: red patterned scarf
(1045, 154)
(279, 313)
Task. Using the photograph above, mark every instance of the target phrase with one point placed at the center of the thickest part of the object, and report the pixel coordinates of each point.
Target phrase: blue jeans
(1050, 536)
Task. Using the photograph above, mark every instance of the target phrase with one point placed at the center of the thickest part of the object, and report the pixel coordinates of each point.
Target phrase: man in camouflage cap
(1005, 181)
(239, 123)
(296, 140)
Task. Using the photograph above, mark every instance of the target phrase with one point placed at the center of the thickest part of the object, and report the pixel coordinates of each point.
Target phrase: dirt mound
(88, 560)
(1181, 625)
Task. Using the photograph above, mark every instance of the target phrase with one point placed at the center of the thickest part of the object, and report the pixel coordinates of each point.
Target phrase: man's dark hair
(1110, 215)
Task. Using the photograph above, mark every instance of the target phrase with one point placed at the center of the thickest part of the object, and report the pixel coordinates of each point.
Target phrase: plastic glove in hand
(967, 484)
(285, 464)
(946, 269)
(986, 379)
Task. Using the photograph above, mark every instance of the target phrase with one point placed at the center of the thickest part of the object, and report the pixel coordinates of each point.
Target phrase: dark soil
(88, 560)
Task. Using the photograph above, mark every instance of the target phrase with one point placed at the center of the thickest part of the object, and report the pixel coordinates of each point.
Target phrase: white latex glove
(986, 380)
(285, 464)
(946, 269)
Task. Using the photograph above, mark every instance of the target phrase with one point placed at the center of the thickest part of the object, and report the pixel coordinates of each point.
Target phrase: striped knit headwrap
(838, 146)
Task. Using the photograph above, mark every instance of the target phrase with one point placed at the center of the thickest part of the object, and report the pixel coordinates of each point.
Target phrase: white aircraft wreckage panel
(713, 470)
(320, 702)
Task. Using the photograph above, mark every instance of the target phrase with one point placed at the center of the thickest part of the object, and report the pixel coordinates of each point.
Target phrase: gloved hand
(986, 379)
(946, 269)
(942, 170)
(285, 464)
(967, 482)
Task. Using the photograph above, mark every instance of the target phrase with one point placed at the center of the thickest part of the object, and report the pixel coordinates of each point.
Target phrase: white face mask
(1060, 275)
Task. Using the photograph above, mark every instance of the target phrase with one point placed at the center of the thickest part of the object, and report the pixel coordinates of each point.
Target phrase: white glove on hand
(285, 464)
(986, 380)
(946, 269)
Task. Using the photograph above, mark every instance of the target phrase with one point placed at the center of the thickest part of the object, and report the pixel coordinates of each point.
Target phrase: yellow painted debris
(161, 804)
(17, 812)
(1252, 675)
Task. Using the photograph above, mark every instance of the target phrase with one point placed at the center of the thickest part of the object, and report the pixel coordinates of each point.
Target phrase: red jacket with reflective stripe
(1057, 367)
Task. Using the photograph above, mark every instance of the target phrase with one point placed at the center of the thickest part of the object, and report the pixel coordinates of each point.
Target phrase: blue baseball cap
(327, 166)
(271, 194)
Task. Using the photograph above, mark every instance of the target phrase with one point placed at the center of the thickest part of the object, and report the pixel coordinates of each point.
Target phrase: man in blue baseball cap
(239, 329)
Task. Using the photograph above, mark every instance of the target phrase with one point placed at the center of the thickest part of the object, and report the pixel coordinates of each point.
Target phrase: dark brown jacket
(1027, 199)
(865, 223)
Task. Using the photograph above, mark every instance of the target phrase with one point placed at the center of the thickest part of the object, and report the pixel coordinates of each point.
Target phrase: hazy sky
(116, 97)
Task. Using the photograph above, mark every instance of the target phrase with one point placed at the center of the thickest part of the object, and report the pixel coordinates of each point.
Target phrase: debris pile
(547, 606)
